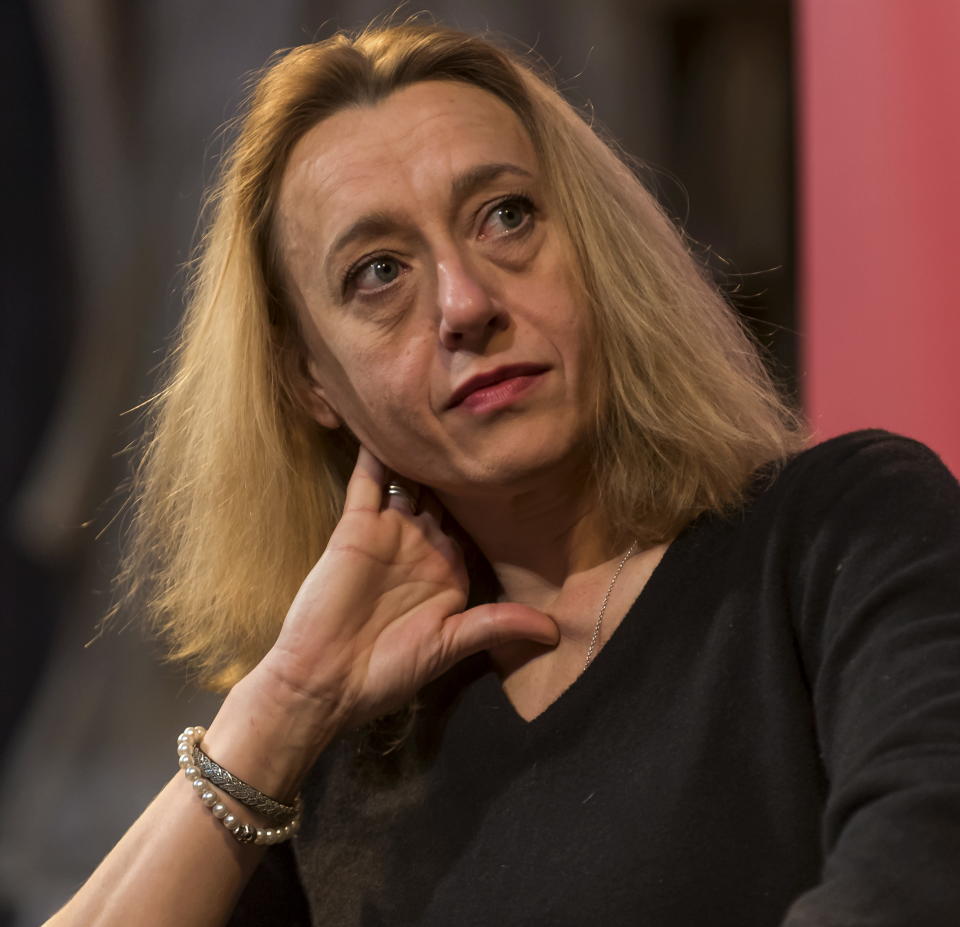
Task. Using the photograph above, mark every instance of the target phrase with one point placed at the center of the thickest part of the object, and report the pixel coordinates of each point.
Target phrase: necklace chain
(596, 628)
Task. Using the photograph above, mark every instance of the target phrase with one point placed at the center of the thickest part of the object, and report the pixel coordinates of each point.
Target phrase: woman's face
(422, 248)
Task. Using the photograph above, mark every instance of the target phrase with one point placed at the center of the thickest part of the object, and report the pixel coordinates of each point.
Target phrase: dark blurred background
(111, 113)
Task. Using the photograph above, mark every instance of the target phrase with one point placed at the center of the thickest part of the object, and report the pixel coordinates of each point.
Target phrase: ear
(302, 382)
(315, 398)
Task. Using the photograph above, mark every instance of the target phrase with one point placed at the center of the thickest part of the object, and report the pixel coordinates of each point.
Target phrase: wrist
(269, 734)
(212, 784)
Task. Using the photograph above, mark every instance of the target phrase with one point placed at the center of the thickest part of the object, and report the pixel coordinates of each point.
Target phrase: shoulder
(869, 450)
(872, 475)
(846, 517)
(862, 517)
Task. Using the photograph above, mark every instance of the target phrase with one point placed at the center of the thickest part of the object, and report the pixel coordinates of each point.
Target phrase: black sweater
(771, 736)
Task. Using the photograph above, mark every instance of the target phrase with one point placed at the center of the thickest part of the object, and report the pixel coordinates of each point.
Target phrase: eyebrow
(463, 187)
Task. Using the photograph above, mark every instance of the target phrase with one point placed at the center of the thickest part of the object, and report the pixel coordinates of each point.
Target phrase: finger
(432, 515)
(398, 496)
(487, 626)
(365, 488)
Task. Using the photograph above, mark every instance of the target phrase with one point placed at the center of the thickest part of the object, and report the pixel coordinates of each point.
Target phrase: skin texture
(471, 293)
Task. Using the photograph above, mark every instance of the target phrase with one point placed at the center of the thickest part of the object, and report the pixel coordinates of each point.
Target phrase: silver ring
(395, 489)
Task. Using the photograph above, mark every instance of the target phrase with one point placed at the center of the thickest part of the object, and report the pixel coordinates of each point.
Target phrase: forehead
(392, 154)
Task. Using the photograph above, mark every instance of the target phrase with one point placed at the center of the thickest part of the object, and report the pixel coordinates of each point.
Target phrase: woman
(669, 667)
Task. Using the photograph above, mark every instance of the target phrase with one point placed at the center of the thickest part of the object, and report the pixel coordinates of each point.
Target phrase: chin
(526, 468)
(515, 458)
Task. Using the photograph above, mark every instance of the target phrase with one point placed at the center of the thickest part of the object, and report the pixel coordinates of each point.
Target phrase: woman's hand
(380, 614)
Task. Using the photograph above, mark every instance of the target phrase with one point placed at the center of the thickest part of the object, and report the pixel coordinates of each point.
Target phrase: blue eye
(385, 270)
(508, 216)
(511, 215)
(375, 274)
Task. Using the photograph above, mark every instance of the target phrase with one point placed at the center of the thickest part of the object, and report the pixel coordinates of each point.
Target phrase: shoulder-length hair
(238, 489)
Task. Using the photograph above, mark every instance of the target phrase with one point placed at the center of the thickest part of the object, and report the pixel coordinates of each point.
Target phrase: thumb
(491, 625)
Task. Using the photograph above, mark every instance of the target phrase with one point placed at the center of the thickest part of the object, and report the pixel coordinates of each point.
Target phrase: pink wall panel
(879, 135)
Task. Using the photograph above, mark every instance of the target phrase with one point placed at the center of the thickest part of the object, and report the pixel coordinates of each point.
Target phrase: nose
(468, 313)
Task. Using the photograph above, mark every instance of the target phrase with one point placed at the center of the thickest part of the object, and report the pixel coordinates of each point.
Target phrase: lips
(491, 377)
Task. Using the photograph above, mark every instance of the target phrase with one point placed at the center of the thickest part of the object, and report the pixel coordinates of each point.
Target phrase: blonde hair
(239, 489)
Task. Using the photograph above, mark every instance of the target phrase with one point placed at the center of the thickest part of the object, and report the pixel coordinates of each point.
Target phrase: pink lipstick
(496, 388)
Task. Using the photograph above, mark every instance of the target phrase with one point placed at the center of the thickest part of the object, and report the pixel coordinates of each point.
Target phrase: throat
(534, 676)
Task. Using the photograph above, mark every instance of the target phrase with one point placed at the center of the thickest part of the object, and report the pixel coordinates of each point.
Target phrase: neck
(549, 549)
(539, 540)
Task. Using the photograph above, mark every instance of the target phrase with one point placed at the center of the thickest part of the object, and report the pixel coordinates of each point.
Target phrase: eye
(373, 275)
(507, 216)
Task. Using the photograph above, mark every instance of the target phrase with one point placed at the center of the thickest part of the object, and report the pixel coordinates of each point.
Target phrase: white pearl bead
(198, 731)
(191, 772)
(219, 810)
(199, 785)
(184, 748)
(183, 738)
(230, 821)
(209, 799)
(259, 838)
(268, 834)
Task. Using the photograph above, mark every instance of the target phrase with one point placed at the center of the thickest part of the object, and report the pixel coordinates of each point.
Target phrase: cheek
(560, 318)
(389, 378)
(389, 397)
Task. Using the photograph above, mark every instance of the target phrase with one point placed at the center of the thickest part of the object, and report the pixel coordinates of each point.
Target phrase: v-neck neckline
(617, 648)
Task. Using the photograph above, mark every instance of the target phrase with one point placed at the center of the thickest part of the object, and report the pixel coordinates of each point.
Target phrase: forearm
(178, 864)
(376, 619)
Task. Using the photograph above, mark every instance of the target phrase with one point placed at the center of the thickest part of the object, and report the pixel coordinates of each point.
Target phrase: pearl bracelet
(242, 833)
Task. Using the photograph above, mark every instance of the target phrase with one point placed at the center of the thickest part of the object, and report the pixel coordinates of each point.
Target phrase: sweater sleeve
(877, 603)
